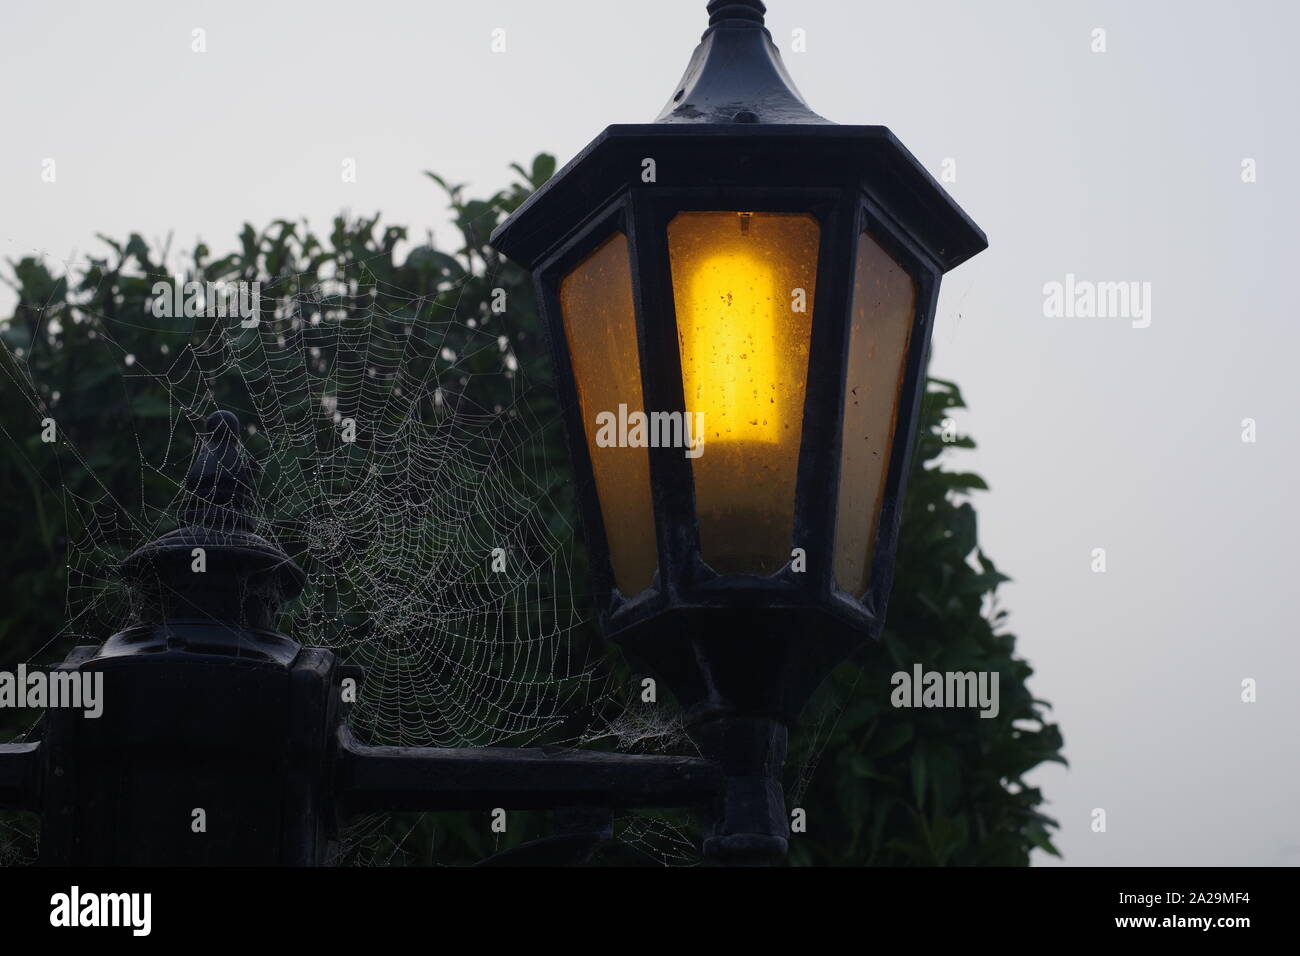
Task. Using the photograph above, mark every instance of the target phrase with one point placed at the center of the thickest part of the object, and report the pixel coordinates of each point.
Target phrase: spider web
(436, 542)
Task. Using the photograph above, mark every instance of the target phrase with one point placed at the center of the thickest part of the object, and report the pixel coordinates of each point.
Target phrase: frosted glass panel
(600, 324)
(884, 306)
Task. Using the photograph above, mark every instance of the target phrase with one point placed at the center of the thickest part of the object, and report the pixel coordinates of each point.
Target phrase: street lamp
(738, 299)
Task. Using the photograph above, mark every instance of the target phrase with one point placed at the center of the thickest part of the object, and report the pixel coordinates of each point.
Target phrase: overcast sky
(1123, 165)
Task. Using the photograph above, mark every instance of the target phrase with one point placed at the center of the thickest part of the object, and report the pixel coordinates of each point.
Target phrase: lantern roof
(736, 121)
(736, 74)
(742, 156)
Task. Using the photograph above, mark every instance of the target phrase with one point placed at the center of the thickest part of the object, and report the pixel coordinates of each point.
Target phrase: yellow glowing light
(743, 291)
(728, 334)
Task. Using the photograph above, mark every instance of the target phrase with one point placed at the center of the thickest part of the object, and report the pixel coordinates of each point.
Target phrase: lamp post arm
(19, 776)
(373, 779)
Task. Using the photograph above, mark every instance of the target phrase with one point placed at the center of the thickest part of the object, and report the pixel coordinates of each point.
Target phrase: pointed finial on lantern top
(736, 74)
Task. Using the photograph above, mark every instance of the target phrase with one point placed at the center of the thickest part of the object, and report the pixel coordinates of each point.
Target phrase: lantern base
(719, 661)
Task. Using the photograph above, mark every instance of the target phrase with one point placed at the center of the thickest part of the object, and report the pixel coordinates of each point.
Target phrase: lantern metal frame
(743, 642)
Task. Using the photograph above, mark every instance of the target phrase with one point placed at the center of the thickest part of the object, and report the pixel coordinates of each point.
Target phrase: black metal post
(20, 776)
(749, 825)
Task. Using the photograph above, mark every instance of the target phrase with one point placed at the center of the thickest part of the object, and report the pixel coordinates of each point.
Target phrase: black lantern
(739, 299)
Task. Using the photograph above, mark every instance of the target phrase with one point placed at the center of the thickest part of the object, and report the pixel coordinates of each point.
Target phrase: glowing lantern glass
(743, 286)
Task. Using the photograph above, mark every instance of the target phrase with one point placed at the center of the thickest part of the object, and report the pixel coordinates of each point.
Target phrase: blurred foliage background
(880, 786)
